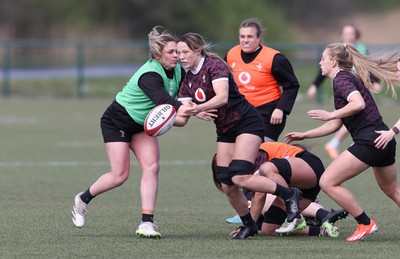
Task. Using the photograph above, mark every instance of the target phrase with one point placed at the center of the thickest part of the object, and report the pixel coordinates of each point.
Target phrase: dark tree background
(132, 19)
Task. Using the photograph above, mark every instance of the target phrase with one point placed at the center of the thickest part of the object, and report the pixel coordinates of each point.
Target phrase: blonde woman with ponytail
(356, 109)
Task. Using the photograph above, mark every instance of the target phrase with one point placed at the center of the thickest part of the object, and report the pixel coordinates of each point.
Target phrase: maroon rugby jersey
(199, 87)
(363, 124)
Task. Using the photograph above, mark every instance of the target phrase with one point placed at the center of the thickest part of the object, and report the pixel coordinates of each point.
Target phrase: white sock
(334, 142)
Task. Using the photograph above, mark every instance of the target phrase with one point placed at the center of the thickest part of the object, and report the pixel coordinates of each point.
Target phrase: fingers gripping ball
(159, 120)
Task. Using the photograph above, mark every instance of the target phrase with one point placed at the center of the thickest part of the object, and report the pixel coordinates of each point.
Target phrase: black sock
(247, 220)
(147, 218)
(313, 231)
(283, 192)
(248, 195)
(260, 221)
(321, 213)
(86, 197)
(363, 219)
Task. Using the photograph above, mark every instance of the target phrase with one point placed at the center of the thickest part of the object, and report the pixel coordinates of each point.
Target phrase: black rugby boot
(246, 232)
(335, 215)
(292, 205)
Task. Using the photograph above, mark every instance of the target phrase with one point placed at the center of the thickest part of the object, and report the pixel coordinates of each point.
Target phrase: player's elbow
(361, 106)
(357, 107)
(223, 99)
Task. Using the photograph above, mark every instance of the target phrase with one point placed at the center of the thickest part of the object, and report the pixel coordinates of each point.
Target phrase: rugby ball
(159, 120)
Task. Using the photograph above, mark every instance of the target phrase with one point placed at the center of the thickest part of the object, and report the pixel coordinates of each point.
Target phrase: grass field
(52, 148)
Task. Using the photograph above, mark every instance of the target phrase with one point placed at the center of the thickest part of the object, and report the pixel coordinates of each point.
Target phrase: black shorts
(251, 123)
(372, 156)
(117, 125)
(285, 170)
(318, 167)
(271, 131)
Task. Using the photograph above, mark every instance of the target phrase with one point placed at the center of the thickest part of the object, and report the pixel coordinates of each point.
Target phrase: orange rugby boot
(363, 231)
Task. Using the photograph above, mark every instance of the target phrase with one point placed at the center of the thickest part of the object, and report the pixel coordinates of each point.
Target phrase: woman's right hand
(189, 108)
(292, 136)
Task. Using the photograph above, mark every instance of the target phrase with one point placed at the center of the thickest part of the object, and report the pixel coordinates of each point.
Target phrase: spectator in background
(350, 35)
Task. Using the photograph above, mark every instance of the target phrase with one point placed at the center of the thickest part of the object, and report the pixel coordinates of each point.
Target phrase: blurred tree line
(133, 19)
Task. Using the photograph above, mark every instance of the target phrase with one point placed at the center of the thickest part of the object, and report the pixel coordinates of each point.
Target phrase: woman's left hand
(276, 117)
(384, 138)
(207, 115)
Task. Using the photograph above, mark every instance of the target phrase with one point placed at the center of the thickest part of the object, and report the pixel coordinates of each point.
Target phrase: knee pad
(284, 168)
(223, 175)
(240, 167)
(275, 215)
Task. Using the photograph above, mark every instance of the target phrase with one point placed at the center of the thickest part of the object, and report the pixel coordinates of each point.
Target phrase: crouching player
(281, 165)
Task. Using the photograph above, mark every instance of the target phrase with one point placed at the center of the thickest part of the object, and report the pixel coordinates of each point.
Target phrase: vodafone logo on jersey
(244, 78)
(200, 95)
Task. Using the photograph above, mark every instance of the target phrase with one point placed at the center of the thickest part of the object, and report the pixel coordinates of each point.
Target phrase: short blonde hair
(157, 41)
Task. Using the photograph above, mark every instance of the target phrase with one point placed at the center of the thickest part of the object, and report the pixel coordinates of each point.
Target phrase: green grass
(52, 148)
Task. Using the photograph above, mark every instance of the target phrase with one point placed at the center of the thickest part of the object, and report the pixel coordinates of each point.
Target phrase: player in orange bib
(264, 76)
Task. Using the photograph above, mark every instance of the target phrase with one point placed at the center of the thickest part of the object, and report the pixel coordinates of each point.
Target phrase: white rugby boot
(78, 211)
(148, 230)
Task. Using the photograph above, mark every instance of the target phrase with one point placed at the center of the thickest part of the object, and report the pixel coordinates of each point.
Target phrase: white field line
(94, 163)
